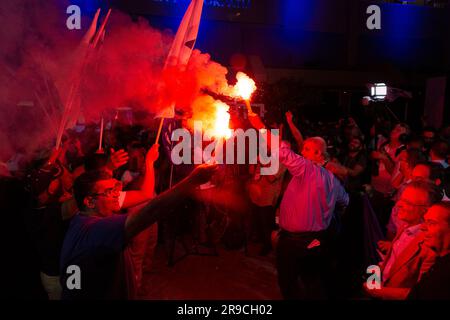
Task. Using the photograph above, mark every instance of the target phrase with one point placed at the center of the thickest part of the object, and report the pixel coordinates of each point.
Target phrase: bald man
(306, 212)
(428, 172)
(315, 149)
(407, 258)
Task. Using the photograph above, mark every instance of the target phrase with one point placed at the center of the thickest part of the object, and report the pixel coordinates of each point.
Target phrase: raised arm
(342, 171)
(133, 198)
(163, 203)
(295, 131)
(382, 156)
(293, 162)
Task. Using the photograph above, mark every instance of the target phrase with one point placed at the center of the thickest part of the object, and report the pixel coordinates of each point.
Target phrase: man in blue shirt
(97, 239)
(306, 212)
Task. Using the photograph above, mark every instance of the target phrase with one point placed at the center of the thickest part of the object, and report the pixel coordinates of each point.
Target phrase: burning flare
(244, 87)
(222, 120)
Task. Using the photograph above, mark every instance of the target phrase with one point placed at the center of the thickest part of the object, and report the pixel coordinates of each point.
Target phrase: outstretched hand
(202, 174)
(117, 159)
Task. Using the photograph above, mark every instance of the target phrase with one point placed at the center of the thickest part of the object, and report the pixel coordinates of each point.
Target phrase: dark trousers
(264, 223)
(302, 272)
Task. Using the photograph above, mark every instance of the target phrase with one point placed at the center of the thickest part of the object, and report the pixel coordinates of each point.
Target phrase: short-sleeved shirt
(97, 246)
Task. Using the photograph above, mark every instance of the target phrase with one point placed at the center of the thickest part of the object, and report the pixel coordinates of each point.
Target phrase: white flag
(182, 45)
(184, 41)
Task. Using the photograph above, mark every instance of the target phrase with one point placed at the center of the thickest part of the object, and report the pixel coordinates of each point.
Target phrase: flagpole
(249, 107)
(101, 136)
(102, 29)
(159, 130)
(76, 83)
(171, 176)
(184, 42)
(41, 104)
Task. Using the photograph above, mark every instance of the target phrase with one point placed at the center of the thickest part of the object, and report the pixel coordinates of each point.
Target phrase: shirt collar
(412, 231)
(443, 162)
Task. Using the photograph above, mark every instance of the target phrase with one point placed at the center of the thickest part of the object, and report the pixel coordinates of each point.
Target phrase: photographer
(50, 186)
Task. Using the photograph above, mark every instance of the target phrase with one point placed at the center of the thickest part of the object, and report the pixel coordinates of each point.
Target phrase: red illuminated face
(312, 151)
(412, 205)
(106, 196)
(397, 132)
(437, 229)
(417, 144)
(428, 136)
(355, 145)
(420, 172)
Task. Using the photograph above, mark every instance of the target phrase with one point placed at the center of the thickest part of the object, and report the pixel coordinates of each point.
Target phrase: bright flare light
(245, 86)
(221, 129)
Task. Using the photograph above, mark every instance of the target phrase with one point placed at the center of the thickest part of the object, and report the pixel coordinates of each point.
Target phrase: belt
(306, 234)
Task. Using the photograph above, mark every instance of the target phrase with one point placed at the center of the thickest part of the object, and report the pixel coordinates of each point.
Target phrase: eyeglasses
(406, 203)
(115, 191)
(428, 223)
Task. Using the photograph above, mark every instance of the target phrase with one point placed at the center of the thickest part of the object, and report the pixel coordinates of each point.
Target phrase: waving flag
(182, 45)
(83, 55)
(184, 41)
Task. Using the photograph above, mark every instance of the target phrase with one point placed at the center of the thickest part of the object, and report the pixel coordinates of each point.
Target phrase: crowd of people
(340, 202)
(401, 178)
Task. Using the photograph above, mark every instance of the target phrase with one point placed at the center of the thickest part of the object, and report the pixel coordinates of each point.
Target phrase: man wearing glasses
(435, 284)
(97, 240)
(407, 259)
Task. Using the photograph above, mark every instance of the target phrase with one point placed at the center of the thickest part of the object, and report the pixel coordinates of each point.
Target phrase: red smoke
(39, 60)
